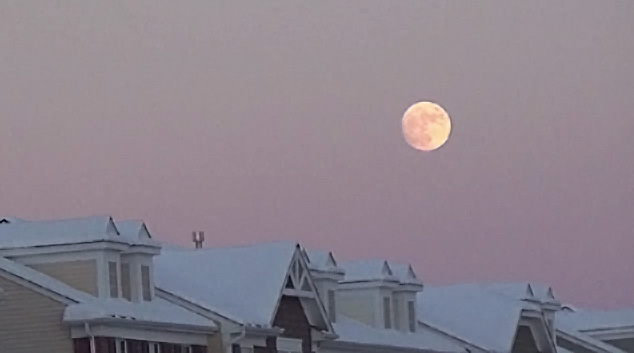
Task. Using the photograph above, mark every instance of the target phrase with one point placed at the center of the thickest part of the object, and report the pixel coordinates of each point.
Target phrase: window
(145, 283)
(125, 281)
(387, 313)
(397, 312)
(184, 349)
(154, 347)
(113, 279)
(332, 309)
(411, 316)
(121, 346)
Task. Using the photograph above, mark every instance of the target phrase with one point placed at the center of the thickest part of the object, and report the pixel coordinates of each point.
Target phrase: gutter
(93, 349)
(145, 324)
(365, 347)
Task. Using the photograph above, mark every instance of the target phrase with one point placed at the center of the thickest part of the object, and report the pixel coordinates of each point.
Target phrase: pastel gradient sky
(263, 120)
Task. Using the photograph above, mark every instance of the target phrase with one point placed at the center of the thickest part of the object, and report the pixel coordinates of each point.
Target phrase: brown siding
(524, 341)
(77, 274)
(31, 322)
(291, 317)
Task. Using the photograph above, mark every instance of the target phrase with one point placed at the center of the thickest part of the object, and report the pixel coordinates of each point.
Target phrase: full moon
(426, 126)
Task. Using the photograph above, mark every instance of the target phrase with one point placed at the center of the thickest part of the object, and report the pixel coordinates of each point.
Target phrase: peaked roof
(322, 260)
(405, 273)
(85, 307)
(241, 283)
(352, 331)
(523, 290)
(133, 230)
(473, 313)
(19, 233)
(368, 270)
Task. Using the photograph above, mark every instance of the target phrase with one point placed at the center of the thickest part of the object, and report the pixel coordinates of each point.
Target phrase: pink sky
(256, 121)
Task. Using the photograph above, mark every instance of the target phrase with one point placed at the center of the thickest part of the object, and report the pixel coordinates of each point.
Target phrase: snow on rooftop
(405, 273)
(322, 260)
(350, 330)
(523, 290)
(241, 283)
(26, 233)
(90, 307)
(367, 270)
(562, 328)
(473, 313)
(589, 320)
(155, 311)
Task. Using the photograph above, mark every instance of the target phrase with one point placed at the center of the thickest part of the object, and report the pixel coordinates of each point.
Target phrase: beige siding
(31, 322)
(357, 306)
(78, 274)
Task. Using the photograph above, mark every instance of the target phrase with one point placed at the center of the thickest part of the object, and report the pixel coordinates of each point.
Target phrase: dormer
(85, 253)
(137, 267)
(326, 276)
(404, 302)
(366, 293)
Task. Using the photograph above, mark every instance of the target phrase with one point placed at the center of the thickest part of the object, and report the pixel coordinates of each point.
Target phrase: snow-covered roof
(473, 313)
(352, 331)
(322, 260)
(405, 273)
(523, 290)
(591, 320)
(577, 337)
(25, 233)
(563, 350)
(368, 270)
(88, 307)
(156, 311)
(240, 283)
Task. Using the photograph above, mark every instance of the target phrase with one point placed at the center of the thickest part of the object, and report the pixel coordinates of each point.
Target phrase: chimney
(198, 238)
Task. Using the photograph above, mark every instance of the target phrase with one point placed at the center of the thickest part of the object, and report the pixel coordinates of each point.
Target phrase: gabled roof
(322, 260)
(22, 233)
(368, 271)
(355, 332)
(523, 290)
(243, 283)
(85, 307)
(134, 230)
(405, 273)
(473, 313)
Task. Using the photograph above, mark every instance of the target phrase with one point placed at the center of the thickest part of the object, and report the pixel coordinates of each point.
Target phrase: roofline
(587, 341)
(380, 347)
(167, 326)
(453, 336)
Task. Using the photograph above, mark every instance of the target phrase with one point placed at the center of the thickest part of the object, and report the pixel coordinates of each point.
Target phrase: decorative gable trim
(303, 287)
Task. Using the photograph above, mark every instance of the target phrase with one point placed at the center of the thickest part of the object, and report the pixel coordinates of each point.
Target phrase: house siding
(81, 275)
(31, 322)
(524, 341)
(357, 305)
(291, 317)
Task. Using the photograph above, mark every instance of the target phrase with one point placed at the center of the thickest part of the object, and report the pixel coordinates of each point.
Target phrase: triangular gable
(304, 288)
(410, 272)
(331, 260)
(385, 269)
(111, 228)
(144, 233)
(550, 294)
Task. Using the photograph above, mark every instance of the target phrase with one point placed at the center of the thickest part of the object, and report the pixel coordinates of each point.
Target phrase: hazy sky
(264, 120)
